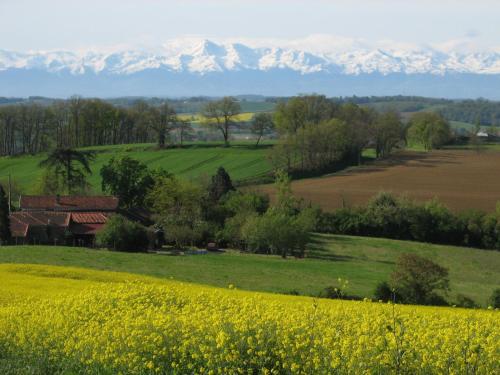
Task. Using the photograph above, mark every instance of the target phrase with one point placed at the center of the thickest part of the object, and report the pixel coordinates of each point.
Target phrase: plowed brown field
(461, 179)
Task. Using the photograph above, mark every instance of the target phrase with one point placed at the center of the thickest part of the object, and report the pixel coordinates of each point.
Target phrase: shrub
(384, 292)
(123, 235)
(276, 233)
(466, 302)
(236, 202)
(417, 278)
(388, 217)
(495, 298)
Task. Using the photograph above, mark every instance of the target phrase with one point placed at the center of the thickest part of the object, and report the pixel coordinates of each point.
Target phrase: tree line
(318, 135)
(389, 216)
(31, 128)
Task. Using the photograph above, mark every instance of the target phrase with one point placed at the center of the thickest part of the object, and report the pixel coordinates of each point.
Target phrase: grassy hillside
(242, 160)
(363, 261)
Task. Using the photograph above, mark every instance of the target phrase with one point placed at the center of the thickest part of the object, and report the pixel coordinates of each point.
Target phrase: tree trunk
(258, 140)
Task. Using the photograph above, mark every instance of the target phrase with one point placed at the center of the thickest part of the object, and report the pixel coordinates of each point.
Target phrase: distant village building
(482, 134)
(61, 220)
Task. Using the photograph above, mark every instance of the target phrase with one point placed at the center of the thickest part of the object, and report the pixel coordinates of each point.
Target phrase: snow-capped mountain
(210, 68)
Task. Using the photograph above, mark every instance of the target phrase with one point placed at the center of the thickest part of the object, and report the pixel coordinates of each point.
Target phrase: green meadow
(362, 261)
(242, 161)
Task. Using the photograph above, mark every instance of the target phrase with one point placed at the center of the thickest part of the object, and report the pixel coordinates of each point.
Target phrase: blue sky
(70, 24)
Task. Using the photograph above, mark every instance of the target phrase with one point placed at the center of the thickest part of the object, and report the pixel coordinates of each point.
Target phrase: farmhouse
(61, 220)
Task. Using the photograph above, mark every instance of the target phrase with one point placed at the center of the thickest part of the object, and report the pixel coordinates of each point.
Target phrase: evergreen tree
(4, 216)
(220, 185)
(72, 165)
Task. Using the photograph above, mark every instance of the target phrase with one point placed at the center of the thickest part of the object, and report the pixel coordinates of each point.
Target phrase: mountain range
(187, 67)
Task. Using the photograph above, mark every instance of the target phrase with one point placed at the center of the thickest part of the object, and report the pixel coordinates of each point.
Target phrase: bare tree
(261, 124)
(221, 114)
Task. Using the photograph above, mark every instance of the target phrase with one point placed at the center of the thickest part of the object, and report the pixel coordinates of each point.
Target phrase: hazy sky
(73, 24)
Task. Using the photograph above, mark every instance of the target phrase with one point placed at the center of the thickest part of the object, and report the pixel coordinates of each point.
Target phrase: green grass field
(362, 261)
(242, 160)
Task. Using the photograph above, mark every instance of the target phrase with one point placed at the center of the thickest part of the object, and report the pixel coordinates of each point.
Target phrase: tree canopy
(129, 180)
(429, 129)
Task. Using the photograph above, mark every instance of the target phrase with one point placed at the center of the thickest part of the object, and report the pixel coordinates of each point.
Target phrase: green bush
(466, 302)
(417, 280)
(277, 233)
(384, 292)
(121, 234)
(399, 218)
(495, 299)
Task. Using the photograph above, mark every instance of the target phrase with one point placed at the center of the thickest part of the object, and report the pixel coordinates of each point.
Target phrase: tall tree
(72, 165)
(221, 115)
(388, 132)
(184, 130)
(177, 205)
(163, 121)
(128, 179)
(429, 129)
(360, 122)
(262, 123)
(75, 107)
(5, 234)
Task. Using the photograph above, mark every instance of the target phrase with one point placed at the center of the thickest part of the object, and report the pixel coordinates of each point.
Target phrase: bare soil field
(461, 179)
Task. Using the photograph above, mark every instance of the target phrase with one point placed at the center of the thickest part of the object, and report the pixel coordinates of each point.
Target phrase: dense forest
(480, 111)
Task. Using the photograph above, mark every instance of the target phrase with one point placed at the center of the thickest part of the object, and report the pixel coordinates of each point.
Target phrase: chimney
(58, 199)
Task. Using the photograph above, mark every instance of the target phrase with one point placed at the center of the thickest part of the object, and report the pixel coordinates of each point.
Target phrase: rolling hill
(242, 160)
(362, 261)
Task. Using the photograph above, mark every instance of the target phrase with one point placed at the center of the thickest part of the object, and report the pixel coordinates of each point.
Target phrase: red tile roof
(42, 218)
(18, 228)
(77, 222)
(88, 218)
(68, 203)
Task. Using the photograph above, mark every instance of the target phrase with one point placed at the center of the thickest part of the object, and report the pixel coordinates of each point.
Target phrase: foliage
(429, 129)
(220, 185)
(276, 233)
(319, 135)
(129, 180)
(284, 228)
(163, 120)
(248, 201)
(466, 302)
(399, 218)
(388, 133)
(71, 166)
(121, 234)
(385, 293)
(238, 208)
(178, 207)
(495, 298)
(485, 111)
(5, 234)
(149, 326)
(417, 279)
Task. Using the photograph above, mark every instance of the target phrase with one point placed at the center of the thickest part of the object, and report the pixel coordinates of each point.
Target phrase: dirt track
(461, 179)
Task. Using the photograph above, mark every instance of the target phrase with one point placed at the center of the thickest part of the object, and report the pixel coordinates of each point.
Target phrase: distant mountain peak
(205, 56)
(191, 66)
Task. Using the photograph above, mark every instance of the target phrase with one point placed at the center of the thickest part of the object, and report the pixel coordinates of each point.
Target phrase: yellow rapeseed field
(72, 321)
